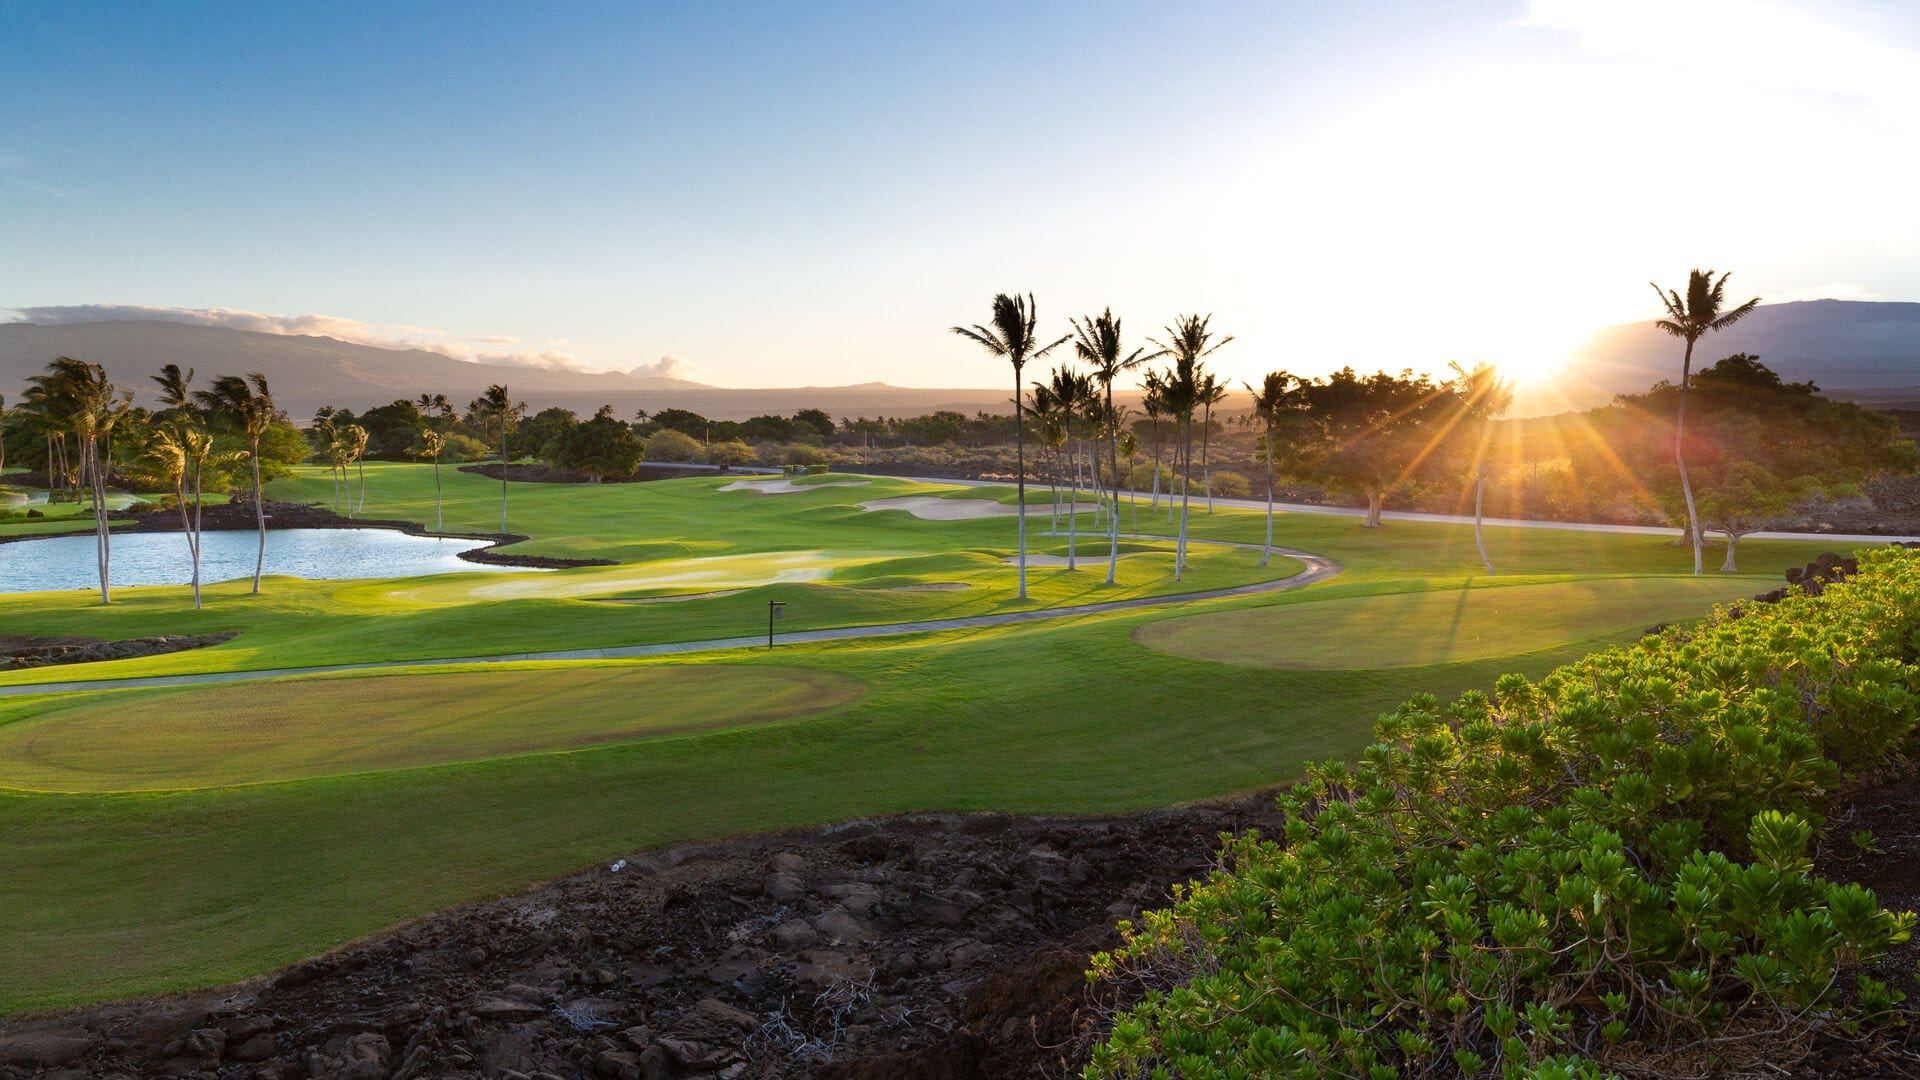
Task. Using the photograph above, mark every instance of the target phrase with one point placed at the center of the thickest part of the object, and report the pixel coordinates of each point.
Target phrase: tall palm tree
(1130, 449)
(1098, 343)
(1012, 339)
(92, 408)
(1154, 403)
(1271, 402)
(1212, 392)
(174, 394)
(497, 407)
(180, 452)
(1189, 341)
(356, 440)
(1053, 434)
(1070, 393)
(1483, 396)
(246, 406)
(432, 444)
(1702, 311)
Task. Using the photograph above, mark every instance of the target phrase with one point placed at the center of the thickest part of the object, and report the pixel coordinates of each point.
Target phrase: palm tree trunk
(362, 463)
(1680, 457)
(1073, 504)
(195, 533)
(1113, 459)
(1479, 494)
(1156, 464)
(259, 518)
(186, 527)
(90, 465)
(1267, 551)
(436, 494)
(1733, 539)
(503, 476)
(1020, 476)
(1179, 544)
(1206, 454)
(1376, 498)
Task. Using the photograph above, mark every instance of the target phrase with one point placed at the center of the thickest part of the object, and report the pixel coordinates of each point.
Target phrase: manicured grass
(1474, 621)
(137, 892)
(365, 723)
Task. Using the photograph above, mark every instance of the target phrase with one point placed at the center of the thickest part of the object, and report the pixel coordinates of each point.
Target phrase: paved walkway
(1318, 568)
(1199, 506)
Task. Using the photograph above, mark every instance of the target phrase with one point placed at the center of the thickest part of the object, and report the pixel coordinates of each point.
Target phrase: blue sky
(788, 194)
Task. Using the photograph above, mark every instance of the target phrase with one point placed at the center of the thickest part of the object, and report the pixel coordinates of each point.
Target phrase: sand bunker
(931, 508)
(786, 487)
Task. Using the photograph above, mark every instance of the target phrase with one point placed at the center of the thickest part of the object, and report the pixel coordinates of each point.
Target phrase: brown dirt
(922, 946)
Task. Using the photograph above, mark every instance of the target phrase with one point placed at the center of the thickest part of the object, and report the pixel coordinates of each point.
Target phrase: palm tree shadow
(1453, 626)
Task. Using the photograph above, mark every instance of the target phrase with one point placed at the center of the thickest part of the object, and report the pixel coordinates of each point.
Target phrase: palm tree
(495, 406)
(246, 406)
(1130, 449)
(1097, 341)
(3, 433)
(180, 452)
(92, 408)
(1012, 339)
(174, 394)
(355, 437)
(1212, 392)
(1691, 318)
(1070, 394)
(432, 443)
(1483, 395)
(1189, 342)
(1271, 401)
(434, 403)
(1053, 434)
(1154, 402)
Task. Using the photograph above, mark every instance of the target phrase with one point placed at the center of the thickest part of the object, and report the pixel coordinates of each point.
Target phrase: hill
(1865, 351)
(308, 372)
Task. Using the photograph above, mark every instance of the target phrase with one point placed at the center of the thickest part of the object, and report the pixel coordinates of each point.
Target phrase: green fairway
(278, 818)
(325, 726)
(1474, 621)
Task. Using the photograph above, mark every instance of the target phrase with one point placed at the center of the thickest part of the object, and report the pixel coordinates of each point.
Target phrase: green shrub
(671, 445)
(1611, 862)
(802, 454)
(731, 452)
(463, 448)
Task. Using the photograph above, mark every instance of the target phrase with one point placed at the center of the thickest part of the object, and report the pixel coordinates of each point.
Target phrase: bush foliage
(1608, 869)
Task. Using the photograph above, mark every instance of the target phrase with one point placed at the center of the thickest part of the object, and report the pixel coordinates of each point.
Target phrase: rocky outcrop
(925, 946)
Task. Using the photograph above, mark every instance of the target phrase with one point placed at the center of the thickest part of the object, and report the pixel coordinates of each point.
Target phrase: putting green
(1443, 626)
(295, 728)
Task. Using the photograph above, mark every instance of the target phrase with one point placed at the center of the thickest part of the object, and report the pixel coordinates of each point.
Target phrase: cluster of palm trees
(1075, 410)
(1178, 391)
(342, 446)
(79, 410)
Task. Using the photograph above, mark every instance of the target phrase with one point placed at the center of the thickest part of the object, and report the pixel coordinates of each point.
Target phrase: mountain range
(1868, 351)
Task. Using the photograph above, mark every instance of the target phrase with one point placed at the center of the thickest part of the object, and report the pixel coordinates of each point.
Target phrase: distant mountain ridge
(1863, 350)
(306, 373)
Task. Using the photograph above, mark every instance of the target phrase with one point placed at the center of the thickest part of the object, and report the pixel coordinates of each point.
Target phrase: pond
(68, 562)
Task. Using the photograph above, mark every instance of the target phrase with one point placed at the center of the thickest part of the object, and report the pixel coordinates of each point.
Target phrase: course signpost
(776, 609)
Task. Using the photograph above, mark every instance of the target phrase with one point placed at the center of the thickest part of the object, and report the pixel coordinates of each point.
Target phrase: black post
(773, 612)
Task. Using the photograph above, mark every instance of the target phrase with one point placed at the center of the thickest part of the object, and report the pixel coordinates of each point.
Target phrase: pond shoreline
(238, 517)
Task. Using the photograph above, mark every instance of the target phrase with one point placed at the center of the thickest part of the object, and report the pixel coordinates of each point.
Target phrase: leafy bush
(802, 454)
(1230, 485)
(463, 448)
(731, 452)
(1609, 866)
(670, 445)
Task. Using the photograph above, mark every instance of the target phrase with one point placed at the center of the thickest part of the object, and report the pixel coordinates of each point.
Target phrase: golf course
(222, 825)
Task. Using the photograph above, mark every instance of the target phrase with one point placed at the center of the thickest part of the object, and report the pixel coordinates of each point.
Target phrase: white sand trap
(787, 487)
(931, 508)
(715, 573)
(678, 598)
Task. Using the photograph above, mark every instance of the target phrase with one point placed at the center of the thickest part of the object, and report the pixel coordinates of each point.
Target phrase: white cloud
(381, 335)
(667, 367)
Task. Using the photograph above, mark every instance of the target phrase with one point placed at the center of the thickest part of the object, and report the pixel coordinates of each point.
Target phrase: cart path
(1318, 568)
